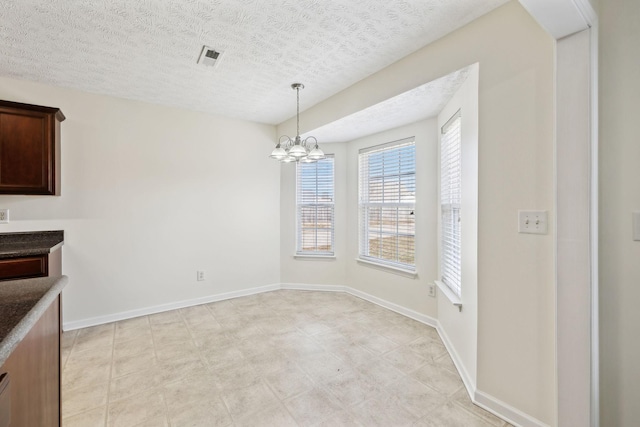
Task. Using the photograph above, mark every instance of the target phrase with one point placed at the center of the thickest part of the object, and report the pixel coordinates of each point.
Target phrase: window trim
(446, 290)
(323, 255)
(389, 265)
(315, 257)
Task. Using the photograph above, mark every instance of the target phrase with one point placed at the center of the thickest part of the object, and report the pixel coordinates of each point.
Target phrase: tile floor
(282, 358)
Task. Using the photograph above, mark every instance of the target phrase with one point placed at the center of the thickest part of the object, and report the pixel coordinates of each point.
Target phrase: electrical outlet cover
(4, 216)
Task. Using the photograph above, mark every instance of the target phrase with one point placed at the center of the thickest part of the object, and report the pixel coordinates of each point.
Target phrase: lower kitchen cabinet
(31, 377)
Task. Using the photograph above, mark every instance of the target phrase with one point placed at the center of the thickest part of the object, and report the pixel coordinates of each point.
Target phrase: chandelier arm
(287, 139)
(309, 144)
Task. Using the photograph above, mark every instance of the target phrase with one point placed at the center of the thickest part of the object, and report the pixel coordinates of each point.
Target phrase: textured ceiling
(417, 104)
(148, 49)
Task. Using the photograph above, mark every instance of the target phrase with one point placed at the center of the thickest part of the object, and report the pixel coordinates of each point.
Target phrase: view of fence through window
(387, 203)
(315, 207)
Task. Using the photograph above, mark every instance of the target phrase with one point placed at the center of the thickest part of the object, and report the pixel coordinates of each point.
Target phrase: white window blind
(315, 207)
(387, 195)
(450, 200)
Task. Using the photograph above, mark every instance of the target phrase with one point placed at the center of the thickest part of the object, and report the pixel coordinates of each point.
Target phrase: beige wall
(398, 289)
(460, 327)
(408, 292)
(619, 87)
(134, 176)
(307, 270)
(516, 302)
(573, 225)
(150, 195)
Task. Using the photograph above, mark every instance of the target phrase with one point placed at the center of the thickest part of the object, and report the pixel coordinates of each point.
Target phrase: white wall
(619, 196)
(516, 293)
(306, 270)
(408, 292)
(460, 328)
(150, 195)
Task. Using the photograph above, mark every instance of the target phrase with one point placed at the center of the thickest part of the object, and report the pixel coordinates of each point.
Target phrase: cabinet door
(34, 371)
(27, 152)
(24, 267)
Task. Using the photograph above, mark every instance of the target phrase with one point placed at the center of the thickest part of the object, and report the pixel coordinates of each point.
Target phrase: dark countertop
(29, 243)
(22, 303)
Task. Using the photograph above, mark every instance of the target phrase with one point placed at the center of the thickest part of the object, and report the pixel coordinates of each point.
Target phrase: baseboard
(308, 287)
(497, 407)
(422, 318)
(123, 315)
(505, 411)
(468, 382)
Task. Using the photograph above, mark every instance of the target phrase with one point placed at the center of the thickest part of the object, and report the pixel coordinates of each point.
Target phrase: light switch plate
(4, 216)
(636, 226)
(532, 222)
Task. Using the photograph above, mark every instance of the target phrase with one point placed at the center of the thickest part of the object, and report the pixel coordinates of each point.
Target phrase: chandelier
(297, 150)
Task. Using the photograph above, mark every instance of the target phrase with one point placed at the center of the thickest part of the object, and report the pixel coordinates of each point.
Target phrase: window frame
(300, 252)
(366, 205)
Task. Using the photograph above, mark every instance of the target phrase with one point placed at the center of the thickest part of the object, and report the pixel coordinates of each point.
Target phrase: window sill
(315, 257)
(391, 269)
(455, 299)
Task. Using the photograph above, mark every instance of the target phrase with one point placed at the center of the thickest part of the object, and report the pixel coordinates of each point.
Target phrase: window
(387, 193)
(315, 207)
(450, 200)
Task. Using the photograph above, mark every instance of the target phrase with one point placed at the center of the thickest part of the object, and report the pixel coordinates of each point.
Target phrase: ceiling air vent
(209, 57)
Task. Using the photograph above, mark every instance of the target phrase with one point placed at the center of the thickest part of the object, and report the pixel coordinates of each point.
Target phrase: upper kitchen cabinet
(29, 149)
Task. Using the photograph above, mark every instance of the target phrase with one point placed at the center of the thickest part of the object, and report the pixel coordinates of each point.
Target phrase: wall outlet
(532, 222)
(432, 290)
(200, 275)
(4, 216)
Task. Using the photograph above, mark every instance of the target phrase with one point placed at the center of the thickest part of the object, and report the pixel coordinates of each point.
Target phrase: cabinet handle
(4, 381)
(5, 401)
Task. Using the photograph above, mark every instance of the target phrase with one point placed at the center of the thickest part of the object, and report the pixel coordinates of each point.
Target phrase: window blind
(450, 200)
(315, 207)
(387, 188)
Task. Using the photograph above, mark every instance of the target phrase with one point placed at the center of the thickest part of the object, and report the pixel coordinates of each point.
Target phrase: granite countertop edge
(17, 334)
(30, 243)
(42, 249)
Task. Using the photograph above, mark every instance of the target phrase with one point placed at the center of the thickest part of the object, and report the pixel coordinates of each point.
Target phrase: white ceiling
(147, 49)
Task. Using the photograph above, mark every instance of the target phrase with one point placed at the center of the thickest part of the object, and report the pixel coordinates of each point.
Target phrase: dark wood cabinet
(32, 375)
(29, 149)
(26, 267)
